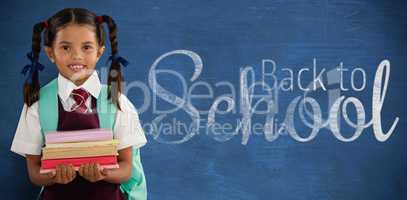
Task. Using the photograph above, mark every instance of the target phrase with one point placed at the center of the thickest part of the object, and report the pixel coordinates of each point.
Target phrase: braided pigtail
(115, 77)
(31, 86)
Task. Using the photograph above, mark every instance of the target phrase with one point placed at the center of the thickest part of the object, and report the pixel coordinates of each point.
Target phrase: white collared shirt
(28, 138)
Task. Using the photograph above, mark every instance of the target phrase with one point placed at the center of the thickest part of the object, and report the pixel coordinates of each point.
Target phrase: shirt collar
(65, 86)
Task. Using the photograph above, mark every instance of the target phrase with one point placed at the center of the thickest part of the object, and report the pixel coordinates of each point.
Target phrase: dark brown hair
(75, 16)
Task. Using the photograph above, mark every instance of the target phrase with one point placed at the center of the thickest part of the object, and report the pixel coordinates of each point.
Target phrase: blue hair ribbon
(121, 60)
(31, 68)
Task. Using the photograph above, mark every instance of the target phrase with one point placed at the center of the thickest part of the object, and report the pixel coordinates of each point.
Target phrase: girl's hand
(92, 172)
(63, 174)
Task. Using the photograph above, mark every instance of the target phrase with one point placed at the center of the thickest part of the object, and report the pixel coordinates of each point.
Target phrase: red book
(77, 162)
(44, 171)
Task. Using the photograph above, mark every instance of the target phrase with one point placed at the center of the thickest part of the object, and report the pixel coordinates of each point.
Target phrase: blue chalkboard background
(228, 36)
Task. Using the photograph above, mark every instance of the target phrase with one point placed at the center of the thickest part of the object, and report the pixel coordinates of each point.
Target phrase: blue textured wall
(228, 36)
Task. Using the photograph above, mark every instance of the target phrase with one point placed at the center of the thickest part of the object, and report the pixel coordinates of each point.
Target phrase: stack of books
(79, 147)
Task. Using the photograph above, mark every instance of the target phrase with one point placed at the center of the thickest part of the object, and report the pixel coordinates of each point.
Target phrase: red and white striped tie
(80, 96)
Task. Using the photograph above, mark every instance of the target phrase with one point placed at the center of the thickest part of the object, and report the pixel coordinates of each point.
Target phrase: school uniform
(29, 139)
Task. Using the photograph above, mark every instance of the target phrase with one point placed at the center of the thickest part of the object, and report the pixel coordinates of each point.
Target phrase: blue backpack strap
(48, 111)
(48, 107)
(106, 110)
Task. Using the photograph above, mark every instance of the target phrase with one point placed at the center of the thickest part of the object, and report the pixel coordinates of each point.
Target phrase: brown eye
(87, 47)
(65, 47)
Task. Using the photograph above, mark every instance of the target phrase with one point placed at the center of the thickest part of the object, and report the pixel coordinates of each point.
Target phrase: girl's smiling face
(75, 51)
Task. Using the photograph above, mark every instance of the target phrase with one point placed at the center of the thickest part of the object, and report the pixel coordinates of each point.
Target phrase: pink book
(77, 162)
(78, 136)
